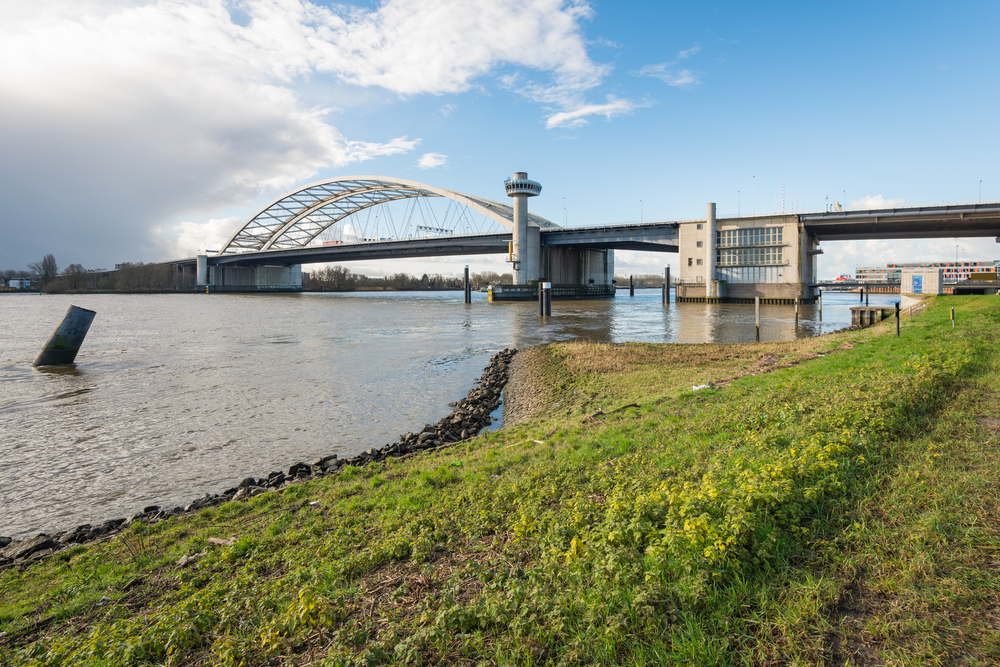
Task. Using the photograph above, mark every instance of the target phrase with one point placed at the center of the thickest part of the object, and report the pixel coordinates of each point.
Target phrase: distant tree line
(341, 279)
(139, 277)
(128, 277)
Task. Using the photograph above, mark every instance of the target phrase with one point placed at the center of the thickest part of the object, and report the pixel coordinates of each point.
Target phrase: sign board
(918, 284)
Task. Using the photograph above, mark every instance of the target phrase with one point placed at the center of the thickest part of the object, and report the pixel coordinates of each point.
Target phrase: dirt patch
(847, 643)
(768, 362)
(532, 385)
(604, 358)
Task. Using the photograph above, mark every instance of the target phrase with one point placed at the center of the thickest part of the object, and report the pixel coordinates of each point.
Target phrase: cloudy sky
(140, 131)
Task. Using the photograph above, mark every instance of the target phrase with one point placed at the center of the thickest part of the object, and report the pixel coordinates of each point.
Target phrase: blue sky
(143, 130)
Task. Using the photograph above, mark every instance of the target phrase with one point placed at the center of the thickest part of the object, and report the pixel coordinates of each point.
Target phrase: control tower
(527, 243)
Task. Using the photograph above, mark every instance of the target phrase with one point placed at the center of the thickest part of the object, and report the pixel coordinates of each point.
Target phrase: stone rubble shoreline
(469, 416)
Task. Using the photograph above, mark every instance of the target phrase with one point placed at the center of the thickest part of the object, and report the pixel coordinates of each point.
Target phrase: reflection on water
(178, 395)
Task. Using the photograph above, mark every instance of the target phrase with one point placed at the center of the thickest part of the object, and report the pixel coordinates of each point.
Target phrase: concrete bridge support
(737, 259)
(574, 266)
(526, 238)
(231, 278)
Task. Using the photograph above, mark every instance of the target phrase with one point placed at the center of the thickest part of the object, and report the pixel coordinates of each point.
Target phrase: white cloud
(446, 110)
(689, 52)
(666, 72)
(684, 78)
(870, 202)
(607, 43)
(440, 46)
(577, 117)
(186, 239)
(136, 113)
(432, 160)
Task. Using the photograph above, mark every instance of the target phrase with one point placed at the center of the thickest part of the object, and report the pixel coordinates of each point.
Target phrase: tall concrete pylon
(711, 284)
(527, 241)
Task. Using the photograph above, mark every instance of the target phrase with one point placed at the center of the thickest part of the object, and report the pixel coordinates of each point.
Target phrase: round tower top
(520, 185)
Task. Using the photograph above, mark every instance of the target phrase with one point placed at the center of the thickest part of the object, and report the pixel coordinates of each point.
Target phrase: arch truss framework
(295, 219)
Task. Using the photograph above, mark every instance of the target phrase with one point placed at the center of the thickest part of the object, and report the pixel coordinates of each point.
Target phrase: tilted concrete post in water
(666, 284)
(67, 339)
(796, 311)
(468, 287)
(631, 286)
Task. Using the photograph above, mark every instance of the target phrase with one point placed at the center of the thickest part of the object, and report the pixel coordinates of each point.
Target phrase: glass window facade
(731, 238)
(749, 256)
(758, 246)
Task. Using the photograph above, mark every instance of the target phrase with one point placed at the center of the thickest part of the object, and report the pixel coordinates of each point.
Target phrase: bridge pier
(739, 259)
(526, 239)
(255, 278)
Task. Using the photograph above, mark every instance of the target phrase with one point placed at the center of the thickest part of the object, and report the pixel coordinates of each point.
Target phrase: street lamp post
(980, 191)
(828, 203)
(754, 195)
(640, 211)
(737, 203)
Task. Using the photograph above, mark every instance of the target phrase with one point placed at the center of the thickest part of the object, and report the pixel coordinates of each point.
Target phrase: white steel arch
(295, 218)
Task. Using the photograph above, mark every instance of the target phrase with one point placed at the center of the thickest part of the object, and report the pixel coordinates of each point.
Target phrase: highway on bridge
(651, 236)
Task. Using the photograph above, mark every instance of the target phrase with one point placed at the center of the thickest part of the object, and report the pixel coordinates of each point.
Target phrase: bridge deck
(968, 220)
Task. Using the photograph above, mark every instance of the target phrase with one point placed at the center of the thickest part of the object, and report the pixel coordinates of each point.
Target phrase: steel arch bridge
(295, 219)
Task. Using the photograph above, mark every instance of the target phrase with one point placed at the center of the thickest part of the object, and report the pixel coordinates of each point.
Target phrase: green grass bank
(830, 501)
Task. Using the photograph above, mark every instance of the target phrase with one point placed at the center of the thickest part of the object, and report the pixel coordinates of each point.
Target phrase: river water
(174, 396)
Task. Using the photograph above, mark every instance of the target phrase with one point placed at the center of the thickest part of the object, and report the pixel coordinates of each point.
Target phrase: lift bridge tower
(526, 250)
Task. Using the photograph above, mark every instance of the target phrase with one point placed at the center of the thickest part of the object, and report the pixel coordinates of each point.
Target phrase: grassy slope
(842, 508)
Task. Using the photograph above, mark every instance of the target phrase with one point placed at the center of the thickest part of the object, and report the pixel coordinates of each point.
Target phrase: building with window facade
(953, 271)
(767, 256)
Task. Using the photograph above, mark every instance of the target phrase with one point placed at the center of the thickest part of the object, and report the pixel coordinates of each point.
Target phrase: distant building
(17, 283)
(953, 271)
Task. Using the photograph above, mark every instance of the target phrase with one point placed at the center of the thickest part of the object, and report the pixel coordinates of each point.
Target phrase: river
(174, 396)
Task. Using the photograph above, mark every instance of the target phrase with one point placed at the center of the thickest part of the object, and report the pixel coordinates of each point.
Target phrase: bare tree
(46, 270)
(74, 275)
